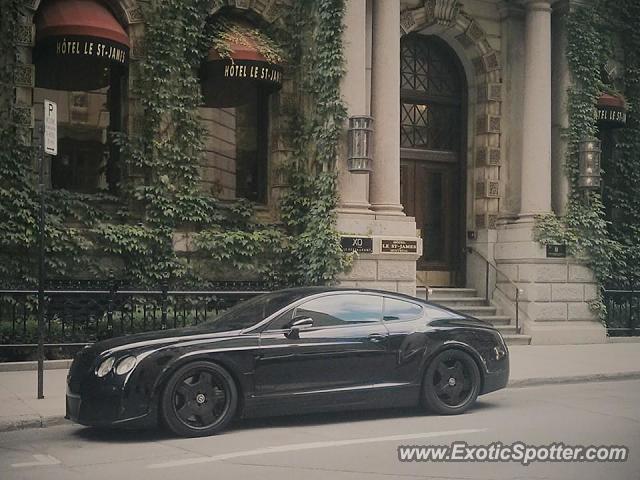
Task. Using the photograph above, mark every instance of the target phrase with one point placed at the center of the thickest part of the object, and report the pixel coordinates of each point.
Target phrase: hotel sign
(254, 71)
(399, 246)
(612, 115)
(85, 47)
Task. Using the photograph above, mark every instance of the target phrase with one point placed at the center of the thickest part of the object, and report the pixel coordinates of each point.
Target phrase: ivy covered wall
(602, 226)
(131, 236)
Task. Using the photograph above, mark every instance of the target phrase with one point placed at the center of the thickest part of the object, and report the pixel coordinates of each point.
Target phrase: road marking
(309, 446)
(41, 461)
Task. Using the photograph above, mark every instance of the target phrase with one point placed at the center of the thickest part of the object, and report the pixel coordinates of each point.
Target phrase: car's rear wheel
(451, 383)
(199, 399)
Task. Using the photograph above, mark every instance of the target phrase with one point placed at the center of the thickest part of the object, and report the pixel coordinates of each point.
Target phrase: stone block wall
(555, 293)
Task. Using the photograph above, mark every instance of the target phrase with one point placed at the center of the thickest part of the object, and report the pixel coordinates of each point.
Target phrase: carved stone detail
(488, 156)
(22, 115)
(441, 12)
(24, 75)
(25, 35)
(134, 15)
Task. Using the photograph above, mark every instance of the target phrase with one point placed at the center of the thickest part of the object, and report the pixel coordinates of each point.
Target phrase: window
(395, 309)
(87, 160)
(335, 310)
(236, 143)
(431, 94)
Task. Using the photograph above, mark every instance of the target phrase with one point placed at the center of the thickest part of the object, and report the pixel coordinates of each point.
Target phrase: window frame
(306, 300)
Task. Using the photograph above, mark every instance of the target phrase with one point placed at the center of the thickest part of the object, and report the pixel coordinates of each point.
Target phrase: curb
(589, 378)
(29, 366)
(24, 422)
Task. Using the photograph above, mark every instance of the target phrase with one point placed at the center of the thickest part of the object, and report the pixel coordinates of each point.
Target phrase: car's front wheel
(199, 399)
(451, 382)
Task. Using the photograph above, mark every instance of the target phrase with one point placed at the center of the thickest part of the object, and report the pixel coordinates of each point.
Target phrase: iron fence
(77, 316)
(623, 311)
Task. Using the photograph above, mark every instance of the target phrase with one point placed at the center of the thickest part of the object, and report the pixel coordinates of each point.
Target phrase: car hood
(158, 338)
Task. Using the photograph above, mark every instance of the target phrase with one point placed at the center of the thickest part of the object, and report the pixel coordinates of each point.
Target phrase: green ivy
(610, 245)
(134, 233)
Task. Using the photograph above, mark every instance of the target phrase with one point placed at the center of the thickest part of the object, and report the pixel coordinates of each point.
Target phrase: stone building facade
(487, 186)
(466, 101)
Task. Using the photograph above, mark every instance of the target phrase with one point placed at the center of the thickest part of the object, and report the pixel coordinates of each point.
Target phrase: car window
(435, 313)
(334, 310)
(248, 313)
(281, 321)
(395, 309)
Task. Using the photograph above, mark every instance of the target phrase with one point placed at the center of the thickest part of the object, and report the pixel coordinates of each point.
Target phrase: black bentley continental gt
(291, 351)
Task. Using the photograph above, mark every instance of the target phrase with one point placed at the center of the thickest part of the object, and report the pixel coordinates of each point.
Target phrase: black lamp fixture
(360, 155)
(589, 163)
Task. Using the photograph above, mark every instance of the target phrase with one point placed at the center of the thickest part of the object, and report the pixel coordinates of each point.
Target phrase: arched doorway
(432, 145)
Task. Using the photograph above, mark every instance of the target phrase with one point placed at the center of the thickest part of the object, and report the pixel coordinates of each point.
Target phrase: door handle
(377, 338)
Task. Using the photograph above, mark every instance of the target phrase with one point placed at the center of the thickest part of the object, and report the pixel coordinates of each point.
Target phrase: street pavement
(360, 445)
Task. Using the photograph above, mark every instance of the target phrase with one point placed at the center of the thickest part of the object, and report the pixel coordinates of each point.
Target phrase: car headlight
(126, 365)
(105, 367)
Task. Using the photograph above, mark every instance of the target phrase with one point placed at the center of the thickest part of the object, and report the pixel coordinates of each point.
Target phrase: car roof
(306, 291)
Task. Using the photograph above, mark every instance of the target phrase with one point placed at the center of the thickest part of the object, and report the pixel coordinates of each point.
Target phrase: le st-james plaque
(399, 246)
(357, 244)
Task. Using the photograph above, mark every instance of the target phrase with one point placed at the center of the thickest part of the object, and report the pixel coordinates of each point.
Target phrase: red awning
(611, 110)
(79, 45)
(89, 18)
(242, 61)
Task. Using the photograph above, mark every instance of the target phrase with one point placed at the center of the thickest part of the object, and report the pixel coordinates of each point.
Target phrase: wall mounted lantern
(360, 154)
(589, 163)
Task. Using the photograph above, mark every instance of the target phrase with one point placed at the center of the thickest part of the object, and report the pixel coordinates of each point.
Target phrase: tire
(451, 383)
(199, 399)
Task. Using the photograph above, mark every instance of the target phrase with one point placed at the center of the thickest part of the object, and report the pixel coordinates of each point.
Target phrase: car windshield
(250, 312)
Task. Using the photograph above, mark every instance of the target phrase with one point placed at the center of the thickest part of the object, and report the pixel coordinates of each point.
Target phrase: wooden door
(431, 194)
(432, 149)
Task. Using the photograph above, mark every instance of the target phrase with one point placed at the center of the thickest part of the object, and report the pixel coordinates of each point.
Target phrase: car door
(410, 336)
(340, 352)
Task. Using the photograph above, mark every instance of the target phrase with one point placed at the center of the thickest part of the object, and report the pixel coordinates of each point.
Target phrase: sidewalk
(530, 365)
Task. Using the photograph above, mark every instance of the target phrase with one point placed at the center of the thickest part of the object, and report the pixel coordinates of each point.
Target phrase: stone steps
(467, 301)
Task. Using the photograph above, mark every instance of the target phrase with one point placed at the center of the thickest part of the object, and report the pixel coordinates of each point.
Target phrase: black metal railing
(77, 316)
(501, 277)
(623, 311)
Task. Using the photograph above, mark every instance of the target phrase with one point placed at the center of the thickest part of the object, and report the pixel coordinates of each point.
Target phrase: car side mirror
(296, 324)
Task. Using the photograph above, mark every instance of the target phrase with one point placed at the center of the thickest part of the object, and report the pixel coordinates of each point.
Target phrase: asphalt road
(349, 446)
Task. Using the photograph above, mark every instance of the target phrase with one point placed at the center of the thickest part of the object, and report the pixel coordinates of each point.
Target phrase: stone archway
(448, 19)
(271, 11)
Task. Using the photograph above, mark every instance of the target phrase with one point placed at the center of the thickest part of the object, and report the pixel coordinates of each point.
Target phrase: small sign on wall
(399, 246)
(556, 251)
(357, 244)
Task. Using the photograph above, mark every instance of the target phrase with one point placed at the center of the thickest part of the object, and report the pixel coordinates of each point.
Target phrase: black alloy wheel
(451, 383)
(199, 399)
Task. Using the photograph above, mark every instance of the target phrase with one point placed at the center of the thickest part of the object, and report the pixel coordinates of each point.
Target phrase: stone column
(561, 79)
(354, 188)
(385, 108)
(536, 128)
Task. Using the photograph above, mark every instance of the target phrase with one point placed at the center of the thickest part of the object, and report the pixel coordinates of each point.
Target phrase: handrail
(518, 290)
